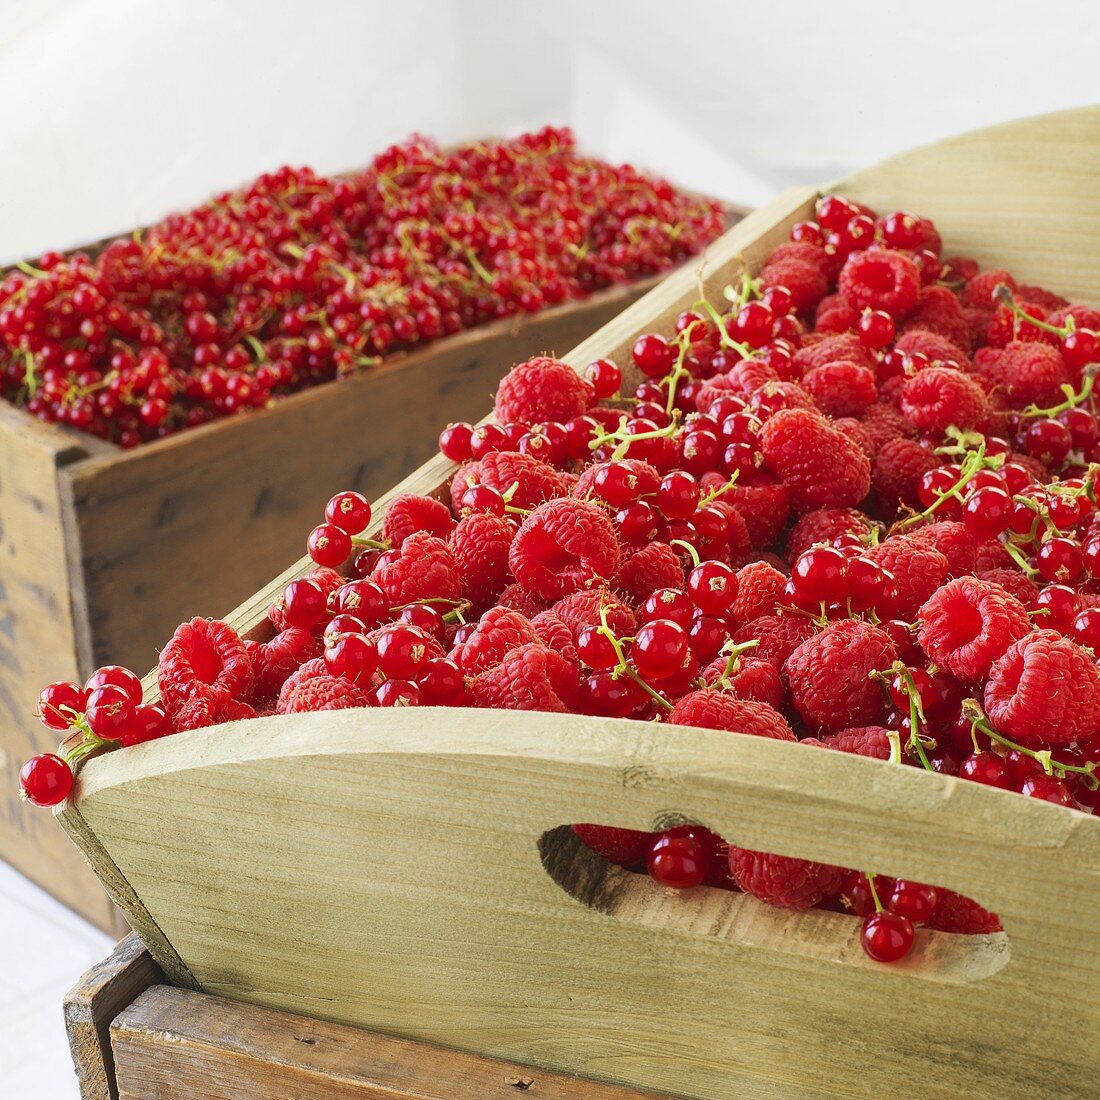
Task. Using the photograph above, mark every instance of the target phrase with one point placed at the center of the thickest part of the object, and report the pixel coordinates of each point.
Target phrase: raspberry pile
(298, 279)
(831, 511)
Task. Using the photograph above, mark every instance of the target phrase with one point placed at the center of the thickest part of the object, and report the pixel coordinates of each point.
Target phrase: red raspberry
(954, 541)
(842, 388)
(519, 599)
(712, 709)
(534, 481)
(880, 279)
(939, 315)
(872, 741)
(830, 675)
(978, 321)
(980, 290)
(960, 268)
(426, 570)
(541, 389)
(783, 880)
(409, 512)
(834, 314)
(1006, 325)
(751, 679)
(779, 636)
(941, 397)
(1027, 373)
(968, 624)
(820, 466)
(323, 692)
(816, 352)
(1014, 583)
(936, 348)
(563, 546)
(480, 544)
(1045, 689)
(764, 506)
(210, 710)
(918, 570)
(787, 395)
(203, 656)
(530, 677)
(497, 632)
(639, 477)
(655, 565)
(555, 635)
(822, 526)
(623, 847)
(738, 541)
(883, 423)
(274, 661)
(955, 913)
(759, 585)
(804, 279)
(312, 668)
(1083, 317)
(856, 432)
(1043, 297)
(897, 469)
(745, 377)
(583, 609)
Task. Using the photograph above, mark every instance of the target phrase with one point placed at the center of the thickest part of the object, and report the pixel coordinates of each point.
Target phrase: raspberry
(751, 679)
(738, 541)
(783, 880)
(497, 632)
(764, 507)
(968, 624)
(980, 290)
(210, 710)
(624, 847)
(776, 395)
(712, 709)
(872, 741)
(530, 677)
(958, 268)
(978, 321)
(1083, 317)
(834, 314)
(555, 635)
(743, 378)
(534, 481)
(842, 388)
(203, 656)
(938, 315)
(1045, 689)
(480, 544)
(954, 541)
(896, 472)
(820, 466)
(880, 279)
(323, 692)
(941, 397)
(804, 279)
(857, 433)
(1043, 297)
(829, 349)
(563, 546)
(655, 565)
(759, 585)
(822, 526)
(955, 913)
(1007, 326)
(312, 668)
(519, 599)
(274, 661)
(1013, 582)
(1027, 373)
(779, 636)
(409, 512)
(541, 389)
(830, 675)
(935, 347)
(583, 609)
(883, 423)
(425, 570)
(918, 570)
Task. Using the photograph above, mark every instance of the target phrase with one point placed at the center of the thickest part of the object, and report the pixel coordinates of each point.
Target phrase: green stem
(1073, 397)
(973, 462)
(689, 548)
(874, 891)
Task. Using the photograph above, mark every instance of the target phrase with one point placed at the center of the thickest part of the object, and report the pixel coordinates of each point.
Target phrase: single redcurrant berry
(913, 900)
(678, 495)
(487, 438)
(1049, 441)
(149, 723)
(442, 683)
(608, 696)
(403, 651)
(887, 937)
(858, 896)
(349, 511)
(456, 442)
(303, 604)
(669, 603)
(1085, 630)
(660, 649)
(426, 618)
(109, 711)
(45, 780)
(361, 598)
(987, 512)
(353, 657)
(820, 573)
(397, 693)
(903, 230)
(637, 522)
(59, 703)
(1048, 788)
(876, 329)
(116, 676)
(1060, 560)
(604, 377)
(1060, 604)
(328, 545)
(595, 648)
(653, 355)
(679, 858)
(834, 212)
(707, 635)
(1080, 347)
(712, 587)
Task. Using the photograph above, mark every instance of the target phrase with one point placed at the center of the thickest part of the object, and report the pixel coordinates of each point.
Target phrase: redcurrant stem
(257, 347)
(28, 269)
(672, 379)
(1018, 556)
(726, 340)
(714, 494)
(973, 462)
(631, 674)
(895, 746)
(1073, 397)
(733, 659)
(369, 544)
(623, 667)
(479, 268)
(1005, 296)
(874, 891)
(689, 548)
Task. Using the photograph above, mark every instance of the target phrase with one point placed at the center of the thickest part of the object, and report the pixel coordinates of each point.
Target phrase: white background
(113, 112)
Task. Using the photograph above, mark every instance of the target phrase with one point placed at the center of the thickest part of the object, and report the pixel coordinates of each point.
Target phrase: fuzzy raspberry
(530, 677)
(880, 279)
(210, 710)
(312, 668)
(822, 526)
(323, 692)
(954, 541)
(1045, 689)
(1014, 583)
(842, 388)
(779, 636)
(497, 632)
(534, 481)
(480, 544)
(650, 567)
(519, 599)
(541, 389)
(759, 585)
(410, 512)
(1026, 373)
(202, 655)
(856, 432)
(958, 268)
(830, 675)
(788, 395)
(1007, 326)
(967, 624)
(834, 314)
(783, 880)
(980, 290)
(818, 351)
(805, 280)
(641, 478)
(955, 913)
(872, 741)
(623, 847)
(978, 321)
(426, 570)
(918, 570)
(937, 348)
(712, 709)
(942, 397)
(896, 472)
(555, 635)
(583, 609)
(820, 466)
(1083, 317)
(563, 546)
(738, 541)
(752, 678)
(274, 661)
(883, 423)
(938, 315)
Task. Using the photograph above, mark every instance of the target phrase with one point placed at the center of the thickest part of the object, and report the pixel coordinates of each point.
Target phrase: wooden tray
(104, 551)
(410, 871)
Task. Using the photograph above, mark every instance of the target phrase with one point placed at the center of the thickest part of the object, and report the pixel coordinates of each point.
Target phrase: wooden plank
(176, 1045)
(90, 1006)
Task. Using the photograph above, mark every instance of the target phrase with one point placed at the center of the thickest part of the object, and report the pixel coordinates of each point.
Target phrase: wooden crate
(104, 551)
(410, 871)
(134, 1037)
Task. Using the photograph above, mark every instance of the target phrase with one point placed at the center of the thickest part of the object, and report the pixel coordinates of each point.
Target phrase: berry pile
(298, 279)
(855, 507)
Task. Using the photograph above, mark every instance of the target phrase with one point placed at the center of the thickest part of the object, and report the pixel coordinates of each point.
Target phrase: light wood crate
(410, 871)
